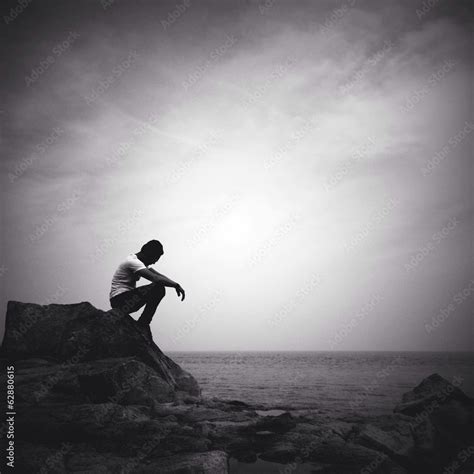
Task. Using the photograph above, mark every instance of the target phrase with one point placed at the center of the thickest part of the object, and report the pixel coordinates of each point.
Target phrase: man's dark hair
(153, 247)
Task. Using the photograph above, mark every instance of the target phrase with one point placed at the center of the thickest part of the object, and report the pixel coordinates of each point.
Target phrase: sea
(333, 384)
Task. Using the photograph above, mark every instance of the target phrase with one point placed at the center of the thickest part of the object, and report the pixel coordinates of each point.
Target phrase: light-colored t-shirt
(125, 277)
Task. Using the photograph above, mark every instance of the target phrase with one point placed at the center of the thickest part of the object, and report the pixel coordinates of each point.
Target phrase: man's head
(151, 252)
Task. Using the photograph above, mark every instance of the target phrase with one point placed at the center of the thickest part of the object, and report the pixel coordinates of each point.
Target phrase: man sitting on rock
(123, 292)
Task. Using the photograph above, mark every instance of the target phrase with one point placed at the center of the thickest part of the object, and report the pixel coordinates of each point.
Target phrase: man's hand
(180, 291)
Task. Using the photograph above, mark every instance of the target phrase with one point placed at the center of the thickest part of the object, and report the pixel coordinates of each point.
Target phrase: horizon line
(317, 350)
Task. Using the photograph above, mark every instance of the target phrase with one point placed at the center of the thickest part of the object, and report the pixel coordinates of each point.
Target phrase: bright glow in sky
(307, 170)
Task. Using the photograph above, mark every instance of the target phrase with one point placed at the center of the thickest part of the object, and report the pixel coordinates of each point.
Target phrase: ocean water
(327, 383)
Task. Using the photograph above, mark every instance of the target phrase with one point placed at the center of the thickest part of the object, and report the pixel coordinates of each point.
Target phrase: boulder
(441, 418)
(74, 333)
(124, 380)
(432, 392)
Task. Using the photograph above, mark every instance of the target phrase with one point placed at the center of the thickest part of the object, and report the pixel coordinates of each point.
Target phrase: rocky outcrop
(93, 393)
(79, 337)
(441, 417)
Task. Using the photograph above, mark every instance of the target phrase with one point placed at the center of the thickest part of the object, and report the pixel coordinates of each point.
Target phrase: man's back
(125, 277)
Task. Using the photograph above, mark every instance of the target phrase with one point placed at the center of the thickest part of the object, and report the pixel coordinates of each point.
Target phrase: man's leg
(129, 301)
(153, 295)
(132, 300)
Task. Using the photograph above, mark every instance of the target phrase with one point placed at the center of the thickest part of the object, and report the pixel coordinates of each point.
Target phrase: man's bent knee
(158, 289)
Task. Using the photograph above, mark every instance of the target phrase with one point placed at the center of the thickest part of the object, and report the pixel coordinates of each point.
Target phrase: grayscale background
(306, 165)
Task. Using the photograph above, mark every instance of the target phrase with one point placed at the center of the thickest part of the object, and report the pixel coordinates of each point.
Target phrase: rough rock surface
(94, 394)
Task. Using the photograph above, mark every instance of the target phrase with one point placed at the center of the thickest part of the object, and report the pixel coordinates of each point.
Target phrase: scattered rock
(212, 462)
(281, 451)
(392, 438)
(341, 428)
(276, 424)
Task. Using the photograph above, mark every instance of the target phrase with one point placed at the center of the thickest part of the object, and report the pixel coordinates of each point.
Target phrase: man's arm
(163, 276)
(152, 275)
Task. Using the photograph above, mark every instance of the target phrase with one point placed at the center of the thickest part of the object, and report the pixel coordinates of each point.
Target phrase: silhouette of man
(124, 294)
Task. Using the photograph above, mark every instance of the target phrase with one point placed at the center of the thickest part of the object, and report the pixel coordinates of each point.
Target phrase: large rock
(75, 333)
(92, 382)
(124, 380)
(441, 419)
(432, 392)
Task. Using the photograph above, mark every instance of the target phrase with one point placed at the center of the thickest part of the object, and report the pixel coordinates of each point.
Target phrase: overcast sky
(306, 167)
